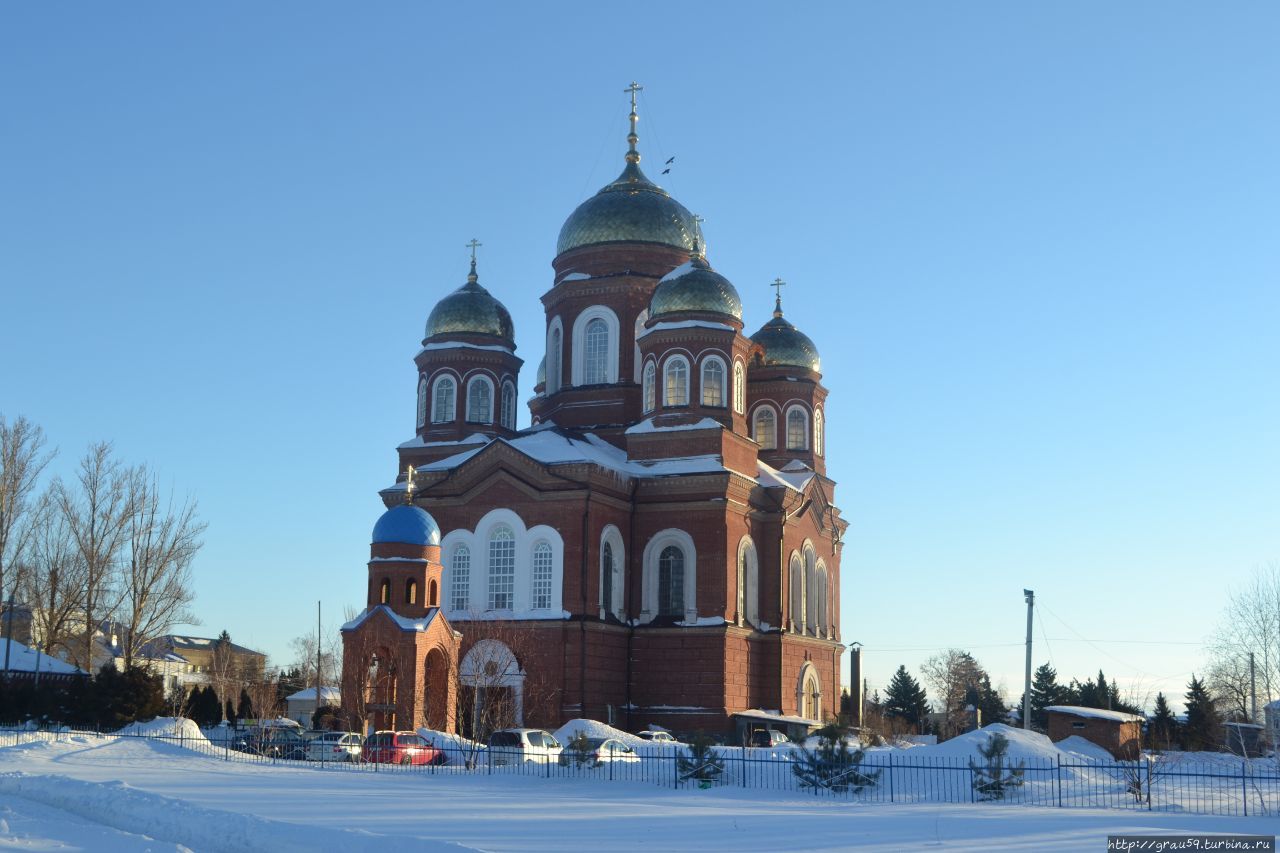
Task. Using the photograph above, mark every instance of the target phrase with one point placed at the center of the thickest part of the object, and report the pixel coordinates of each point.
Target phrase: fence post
(891, 777)
(1150, 779)
(1244, 786)
(1059, 757)
(675, 770)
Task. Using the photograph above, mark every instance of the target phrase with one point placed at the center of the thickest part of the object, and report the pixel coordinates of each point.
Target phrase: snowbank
(169, 727)
(1078, 747)
(1023, 745)
(592, 728)
(447, 741)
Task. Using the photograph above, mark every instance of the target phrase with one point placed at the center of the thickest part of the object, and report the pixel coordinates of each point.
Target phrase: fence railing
(1220, 786)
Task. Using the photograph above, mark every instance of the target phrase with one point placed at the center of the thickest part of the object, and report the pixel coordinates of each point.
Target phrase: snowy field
(127, 794)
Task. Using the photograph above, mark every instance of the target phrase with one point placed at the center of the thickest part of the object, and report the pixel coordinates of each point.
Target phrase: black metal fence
(1223, 785)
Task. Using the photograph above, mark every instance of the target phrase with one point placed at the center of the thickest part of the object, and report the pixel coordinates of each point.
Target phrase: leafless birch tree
(53, 584)
(21, 462)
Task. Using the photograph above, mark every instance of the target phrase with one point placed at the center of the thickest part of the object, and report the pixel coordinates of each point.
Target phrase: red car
(400, 748)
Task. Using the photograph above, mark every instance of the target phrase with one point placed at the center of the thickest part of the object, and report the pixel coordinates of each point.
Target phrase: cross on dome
(473, 245)
(777, 286)
(633, 155)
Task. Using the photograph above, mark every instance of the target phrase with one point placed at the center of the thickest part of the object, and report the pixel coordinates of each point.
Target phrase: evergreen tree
(229, 713)
(1203, 729)
(832, 766)
(701, 763)
(993, 708)
(1045, 691)
(245, 710)
(905, 699)
(992, 780)
(1163, 727)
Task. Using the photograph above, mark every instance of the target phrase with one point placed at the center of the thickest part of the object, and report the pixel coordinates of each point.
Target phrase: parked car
(272, 742)
(400, 748)
(768, 738)
(603, 749)
(516, 746)
(334, 746)
(657, 737)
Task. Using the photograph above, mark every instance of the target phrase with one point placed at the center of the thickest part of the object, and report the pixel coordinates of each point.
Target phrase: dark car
(273, 742)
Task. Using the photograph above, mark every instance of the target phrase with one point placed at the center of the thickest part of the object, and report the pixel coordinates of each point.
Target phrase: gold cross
(633, 88)
(473, 245)
(408, 484)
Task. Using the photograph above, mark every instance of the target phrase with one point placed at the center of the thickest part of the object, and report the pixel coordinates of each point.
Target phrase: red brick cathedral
(660, 546)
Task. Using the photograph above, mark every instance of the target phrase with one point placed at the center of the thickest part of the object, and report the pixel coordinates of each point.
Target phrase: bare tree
(54, 581)
(97, 512)
(1250, 622)
(21, 462)
(304, 657)
(951, 675)
(163, 539)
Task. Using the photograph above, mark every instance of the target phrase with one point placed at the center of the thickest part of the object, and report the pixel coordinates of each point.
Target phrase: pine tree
(992, 780)
(1163, 728)
(1204, 725)
(245, 711)
(832, 766)
(905, 699)
(1045, 691)
(701, 763)
(993, 708)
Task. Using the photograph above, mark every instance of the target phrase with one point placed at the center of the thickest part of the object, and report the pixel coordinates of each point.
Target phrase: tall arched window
(460, 582)
(502, 568)
(595, 352)
(824, 603)
(797, 429)
(818, 438)
(713, 382)
(542, 576)
(748, 584)
(422, 401)
(384, 594)
(676, 378)
(554, 371)
(442, 408)
(809, 693)
(411, 591)
(766, 432)
(508, 405)
(739, 388)
(606, 578)
(796, 571)
(649, 387)
(671, 582)
(479, 400)
(811, 593)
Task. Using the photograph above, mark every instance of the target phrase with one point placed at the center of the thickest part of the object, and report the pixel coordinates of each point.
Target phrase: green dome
(470, 310)
(542, 371)
(786, 346)
(632, 209)
(695, 287)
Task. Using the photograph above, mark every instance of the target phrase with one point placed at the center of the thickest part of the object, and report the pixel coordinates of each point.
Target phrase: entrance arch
(809, 693)
(492, 694)
(435, 684)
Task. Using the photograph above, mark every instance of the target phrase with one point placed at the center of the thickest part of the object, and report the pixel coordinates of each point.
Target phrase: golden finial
(777, 285)
(472, 277)
(633, 156)
(408, 486)
(698, 251)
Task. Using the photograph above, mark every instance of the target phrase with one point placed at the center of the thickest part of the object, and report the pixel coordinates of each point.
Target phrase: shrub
(991, 781)
(832, 766)
(700, 763)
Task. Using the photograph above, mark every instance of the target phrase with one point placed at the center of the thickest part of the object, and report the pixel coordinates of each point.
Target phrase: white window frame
(755, 426)
(612, 537)
(540, 575)
(423, 388)
(494, 597)
(555, 356)
(809, 692)
(795, 572)
(748, 583)
(649, 581)
(667, 397)
(819, 432)
(824, 600)
(739, 387)
(716, 361)
(459, 595)
(435, 399)
(477, 542)
(509, 404)
(811, 594)
(473, 384)
(804, 430)
(579, 346)
(649, 387)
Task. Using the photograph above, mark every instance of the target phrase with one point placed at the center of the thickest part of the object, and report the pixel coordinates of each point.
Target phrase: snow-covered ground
(72, 792)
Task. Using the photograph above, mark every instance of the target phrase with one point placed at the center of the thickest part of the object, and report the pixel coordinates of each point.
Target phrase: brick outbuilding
(1115, 731)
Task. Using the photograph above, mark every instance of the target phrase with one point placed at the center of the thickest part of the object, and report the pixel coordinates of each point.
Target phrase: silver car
(335, 746)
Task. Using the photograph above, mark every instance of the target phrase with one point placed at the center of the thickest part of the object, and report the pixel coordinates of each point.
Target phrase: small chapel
(660, 546)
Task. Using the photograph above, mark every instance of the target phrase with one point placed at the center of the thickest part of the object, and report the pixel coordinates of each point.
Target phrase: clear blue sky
(1035, 243)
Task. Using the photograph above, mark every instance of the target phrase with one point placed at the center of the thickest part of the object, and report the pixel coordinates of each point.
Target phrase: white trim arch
(480, 399)
(490, 663)
(772, 436)
(508, 411)
(739, 387)
(810, 623)
(722, 391)
(477, 541)
(612, 572)
(444, 404)
(649, 581)
(824, 599)
(795, 583)
(675, 381)
(819, 432)
(422, 400)
(555, 356)
(649, 387)
(748, 583)
(608, 371)
(797, 428)
(809, 693)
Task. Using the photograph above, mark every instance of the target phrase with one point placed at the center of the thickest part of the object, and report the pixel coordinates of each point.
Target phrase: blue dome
(408, 525)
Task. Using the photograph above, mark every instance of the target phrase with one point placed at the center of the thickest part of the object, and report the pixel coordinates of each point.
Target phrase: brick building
(1117, 732)
(661, 545)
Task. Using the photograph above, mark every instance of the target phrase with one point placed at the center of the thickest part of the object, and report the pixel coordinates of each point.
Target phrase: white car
(523, 746)
(657, 737)
(334, 746)
(607, 749)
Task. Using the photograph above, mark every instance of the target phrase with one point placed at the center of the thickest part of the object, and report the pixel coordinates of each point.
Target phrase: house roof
(1096, 713)
(327, 694)
(24, 659)
(405, 623)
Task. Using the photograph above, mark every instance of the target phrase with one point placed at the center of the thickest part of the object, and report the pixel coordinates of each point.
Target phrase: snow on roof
(405, 623)
(23, 659)
(1096, 713)
(416, 442)
(574, 276)
(461, 345)
(775, 717)
(770, 476)
(327, 694)
(685, 324)
(647, 425)
(683, 269)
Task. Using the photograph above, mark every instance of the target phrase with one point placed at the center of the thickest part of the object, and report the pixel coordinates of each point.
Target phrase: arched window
(442, 408)
(554, 372)
(824, 602)
(796, 571)
(606, 578)
(637, 331)
(432, 592)
(818, 425)
(809, 693)
(797, 429)
(739, 388)
(508, 405)
(502, 568)
(542, 576)
(422, 401)
(611, 581)
(648, 387)
(810, 591)
(713, 382)
(676, 378)
(766, 432)
(410, 592)
(748, 583)
(479, 400)
(460, 580)
(384, 596)
(671, 582)
(595, 352)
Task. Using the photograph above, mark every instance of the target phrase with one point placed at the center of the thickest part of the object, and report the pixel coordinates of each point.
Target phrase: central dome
(632, 209)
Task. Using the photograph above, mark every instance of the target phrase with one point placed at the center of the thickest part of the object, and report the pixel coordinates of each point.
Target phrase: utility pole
(855, 683)
(1253, 691)
(318, 682)
(1026, 691)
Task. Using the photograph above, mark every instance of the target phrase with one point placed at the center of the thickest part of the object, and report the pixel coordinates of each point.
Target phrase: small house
(302, 705)
(1117, 732)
